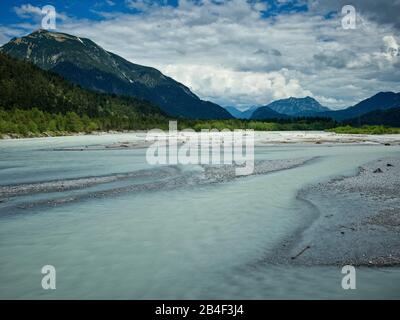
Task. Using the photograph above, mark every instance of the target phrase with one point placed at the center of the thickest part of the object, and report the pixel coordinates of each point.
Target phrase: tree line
(35, 102)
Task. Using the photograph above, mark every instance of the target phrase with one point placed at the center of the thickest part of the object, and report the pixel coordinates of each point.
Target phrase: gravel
(358, 219)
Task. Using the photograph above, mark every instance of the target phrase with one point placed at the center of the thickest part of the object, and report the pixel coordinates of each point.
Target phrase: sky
(237, 52)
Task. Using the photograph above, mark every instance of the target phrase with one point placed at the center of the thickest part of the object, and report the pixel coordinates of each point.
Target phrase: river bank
(188, 232)
(358, 219)
(137, 139)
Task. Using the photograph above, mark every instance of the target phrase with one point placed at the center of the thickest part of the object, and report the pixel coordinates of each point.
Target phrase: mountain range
(297, 106)
(36, 100)
(309, 107)
(380, 101)
(282, 109)
(266, 113)
(85, 63)
(239, 114)
(387, 117)
(289, 108)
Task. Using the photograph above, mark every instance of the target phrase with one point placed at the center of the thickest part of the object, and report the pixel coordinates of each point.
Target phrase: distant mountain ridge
(362, 112)
(379, 101)
(387, 117)
(297, 106)
(246, 114)
(85, 63)
(234, 112)
(266, 113)
(291, 107)
(249, 112)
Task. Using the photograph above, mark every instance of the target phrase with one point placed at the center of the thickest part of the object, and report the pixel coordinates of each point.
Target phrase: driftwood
(345, 227)
(300, 253)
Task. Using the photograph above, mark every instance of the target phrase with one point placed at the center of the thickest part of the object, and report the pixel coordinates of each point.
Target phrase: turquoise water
(188, 241)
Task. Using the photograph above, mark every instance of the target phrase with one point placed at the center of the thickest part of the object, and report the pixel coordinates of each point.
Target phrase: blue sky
(89, 9)
(237, 52)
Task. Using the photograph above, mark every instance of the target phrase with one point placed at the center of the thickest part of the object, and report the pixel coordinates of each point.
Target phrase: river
(189, 241)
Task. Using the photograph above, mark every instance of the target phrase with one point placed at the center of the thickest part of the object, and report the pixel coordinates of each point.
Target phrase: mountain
(85, 63)
(388, 117)
(25, 86)
(246, 114)
(380, 101)
(298, 107)
(265, 113)
(234, 112)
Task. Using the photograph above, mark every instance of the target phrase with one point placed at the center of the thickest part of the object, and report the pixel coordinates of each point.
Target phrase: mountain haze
(234, 112)
(246, 114)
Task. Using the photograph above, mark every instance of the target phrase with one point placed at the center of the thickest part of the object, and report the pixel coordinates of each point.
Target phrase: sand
(133, 140)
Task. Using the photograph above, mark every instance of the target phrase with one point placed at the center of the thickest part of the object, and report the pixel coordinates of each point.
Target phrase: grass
(365, 130)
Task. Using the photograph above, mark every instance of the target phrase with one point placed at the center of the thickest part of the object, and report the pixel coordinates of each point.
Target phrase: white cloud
(243, 87)
(391, 48)
(382, 11)
(231, 55)
(27, 10)
(143, 5)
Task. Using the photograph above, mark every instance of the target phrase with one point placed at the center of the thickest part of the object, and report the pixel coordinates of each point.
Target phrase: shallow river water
(191, 241)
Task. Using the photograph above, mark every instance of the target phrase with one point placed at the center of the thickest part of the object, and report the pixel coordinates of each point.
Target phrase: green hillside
(33, 100)
(83, 62)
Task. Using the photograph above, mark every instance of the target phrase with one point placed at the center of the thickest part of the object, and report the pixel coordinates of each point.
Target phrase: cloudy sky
(237, 52)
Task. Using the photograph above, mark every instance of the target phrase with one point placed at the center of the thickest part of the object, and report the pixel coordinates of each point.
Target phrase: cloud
(374, 60)
(6, 33)
(382, 11)
(335, 58)
(143, 5)
(242, 87)
(391, 47)
(230, 53)
(27, 10)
